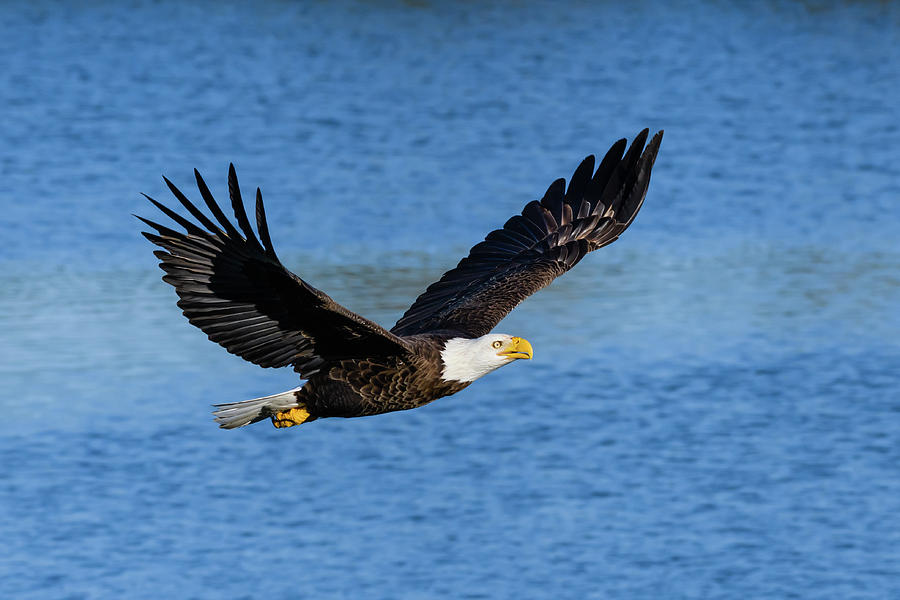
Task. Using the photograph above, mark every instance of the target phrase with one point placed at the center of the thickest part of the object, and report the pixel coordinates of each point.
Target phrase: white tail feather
(238, 414)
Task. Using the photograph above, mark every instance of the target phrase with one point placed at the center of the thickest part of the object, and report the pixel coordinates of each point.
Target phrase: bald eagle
(233, 287)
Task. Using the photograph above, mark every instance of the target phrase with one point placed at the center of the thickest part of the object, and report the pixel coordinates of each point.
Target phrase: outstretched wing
(536, 247)
(235, 289)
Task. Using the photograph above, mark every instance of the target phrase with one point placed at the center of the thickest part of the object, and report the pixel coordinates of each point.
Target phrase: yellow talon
(289, 418)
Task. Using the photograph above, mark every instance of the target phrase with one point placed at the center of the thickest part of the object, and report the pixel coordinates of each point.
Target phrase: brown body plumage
(361, 387)
(233, 287)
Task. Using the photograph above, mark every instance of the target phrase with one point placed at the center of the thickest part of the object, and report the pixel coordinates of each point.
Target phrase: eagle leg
(289, 418)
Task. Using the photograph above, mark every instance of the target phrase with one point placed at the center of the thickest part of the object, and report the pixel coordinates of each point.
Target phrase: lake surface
(713, 409)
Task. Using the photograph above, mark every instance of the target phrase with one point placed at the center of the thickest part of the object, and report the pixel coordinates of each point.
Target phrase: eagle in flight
(233, 287)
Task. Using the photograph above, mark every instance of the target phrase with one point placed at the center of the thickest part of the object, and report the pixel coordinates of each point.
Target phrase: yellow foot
(289, 418)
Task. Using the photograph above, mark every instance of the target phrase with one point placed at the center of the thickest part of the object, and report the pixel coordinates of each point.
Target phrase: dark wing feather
(235, 289)
(536, 247)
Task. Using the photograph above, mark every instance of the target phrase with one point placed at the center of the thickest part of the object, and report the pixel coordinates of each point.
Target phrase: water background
(714, 406)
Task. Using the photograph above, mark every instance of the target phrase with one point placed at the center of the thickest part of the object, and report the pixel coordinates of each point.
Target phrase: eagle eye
(497, 344)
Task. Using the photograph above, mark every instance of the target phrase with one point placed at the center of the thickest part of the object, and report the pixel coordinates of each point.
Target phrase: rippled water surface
(714, 405)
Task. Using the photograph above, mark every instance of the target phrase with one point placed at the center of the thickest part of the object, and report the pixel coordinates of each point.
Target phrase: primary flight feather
(233, 287)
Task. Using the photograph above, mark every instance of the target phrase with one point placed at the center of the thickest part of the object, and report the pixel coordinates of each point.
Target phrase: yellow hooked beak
(518, 348)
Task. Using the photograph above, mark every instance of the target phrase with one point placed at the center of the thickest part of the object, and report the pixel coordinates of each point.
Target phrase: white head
(467, 360)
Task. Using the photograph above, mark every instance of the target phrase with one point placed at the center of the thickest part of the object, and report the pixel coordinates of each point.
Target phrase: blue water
(714, 405)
